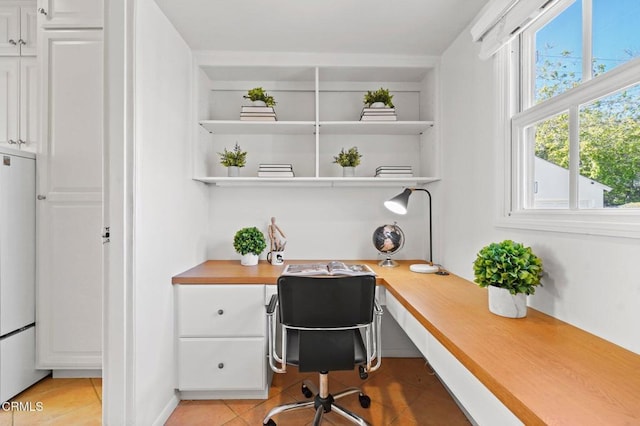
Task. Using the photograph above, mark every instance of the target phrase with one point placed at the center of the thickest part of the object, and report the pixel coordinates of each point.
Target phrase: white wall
(591, 282)
(319, 223)
(170, 216)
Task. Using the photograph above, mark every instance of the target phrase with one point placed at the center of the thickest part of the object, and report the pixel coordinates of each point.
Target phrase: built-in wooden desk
(543, 370)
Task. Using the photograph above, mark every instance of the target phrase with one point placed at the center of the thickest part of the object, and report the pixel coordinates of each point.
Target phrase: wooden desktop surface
(543, 369)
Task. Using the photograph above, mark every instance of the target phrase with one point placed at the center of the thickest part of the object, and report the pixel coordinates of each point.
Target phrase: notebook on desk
(331, 268)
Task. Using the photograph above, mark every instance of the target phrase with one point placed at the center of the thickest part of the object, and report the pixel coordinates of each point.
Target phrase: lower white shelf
(316, 181)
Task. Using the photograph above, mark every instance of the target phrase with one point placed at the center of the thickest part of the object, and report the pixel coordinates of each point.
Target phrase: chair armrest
(377, 307)
(271, 307)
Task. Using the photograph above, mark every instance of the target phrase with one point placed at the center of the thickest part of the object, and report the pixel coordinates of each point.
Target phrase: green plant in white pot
(233, 160)
(380, 98)
(349, 160)
(249, 242)
(511, 272)
(260, 97)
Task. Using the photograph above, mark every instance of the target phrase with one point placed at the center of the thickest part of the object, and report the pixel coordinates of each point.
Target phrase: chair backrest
(326, 302)
(323, 302)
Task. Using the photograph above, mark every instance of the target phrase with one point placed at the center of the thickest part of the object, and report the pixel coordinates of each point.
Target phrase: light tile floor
(403, 392)
(76, 402)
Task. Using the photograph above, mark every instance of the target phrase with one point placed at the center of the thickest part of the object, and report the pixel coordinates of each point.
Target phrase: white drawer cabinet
(221, 311)
(236, 363)
(221, 341)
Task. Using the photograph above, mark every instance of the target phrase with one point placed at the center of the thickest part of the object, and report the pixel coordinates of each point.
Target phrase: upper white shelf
(316, 181)
(374, 127)
(237, 127)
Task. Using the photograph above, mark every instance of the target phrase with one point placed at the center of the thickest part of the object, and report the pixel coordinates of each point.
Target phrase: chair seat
(293, 349)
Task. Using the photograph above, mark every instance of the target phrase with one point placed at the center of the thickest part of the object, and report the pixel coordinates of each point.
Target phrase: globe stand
(388, 263)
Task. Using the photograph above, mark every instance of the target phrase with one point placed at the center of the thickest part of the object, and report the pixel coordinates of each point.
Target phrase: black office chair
(327, 324)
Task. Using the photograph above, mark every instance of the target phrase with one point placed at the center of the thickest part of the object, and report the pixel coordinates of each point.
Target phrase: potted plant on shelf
(259, 97)
(378, 99)
(348, 160)
(511, 272)
(233, 160)
(249, 242)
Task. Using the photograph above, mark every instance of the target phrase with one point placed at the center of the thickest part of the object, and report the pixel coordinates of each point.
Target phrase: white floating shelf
(374, 127)
(316, 181)
(238, 127)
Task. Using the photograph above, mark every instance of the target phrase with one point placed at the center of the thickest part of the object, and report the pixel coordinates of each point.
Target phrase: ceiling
(404, 27)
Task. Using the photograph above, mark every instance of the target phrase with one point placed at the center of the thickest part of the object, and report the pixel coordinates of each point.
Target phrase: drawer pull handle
(220, 312)
(221, 366)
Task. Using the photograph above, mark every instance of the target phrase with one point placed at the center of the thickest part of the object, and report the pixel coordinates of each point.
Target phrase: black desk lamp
(398, 205)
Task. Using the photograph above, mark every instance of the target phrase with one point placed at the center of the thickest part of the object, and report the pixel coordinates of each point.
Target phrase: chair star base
(323, 402)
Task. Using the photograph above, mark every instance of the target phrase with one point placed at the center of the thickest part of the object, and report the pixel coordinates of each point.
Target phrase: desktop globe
(388, 239)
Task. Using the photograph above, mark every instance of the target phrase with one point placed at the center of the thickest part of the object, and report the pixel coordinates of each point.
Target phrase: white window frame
(518, 113)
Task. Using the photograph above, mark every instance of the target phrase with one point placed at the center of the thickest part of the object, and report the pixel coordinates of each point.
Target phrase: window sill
(624, 224)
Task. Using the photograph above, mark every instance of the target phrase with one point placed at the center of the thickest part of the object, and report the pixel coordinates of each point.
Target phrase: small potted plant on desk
(233, 160)
(249, 242)
(511, 272)
(348, 160)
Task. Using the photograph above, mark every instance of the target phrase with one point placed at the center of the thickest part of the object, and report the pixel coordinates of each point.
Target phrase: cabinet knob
(42, 11)
(221, 366)
(22, 42)
(12, 142)
(41, 197)
(21, 142)
(220, 312)
(12, 42)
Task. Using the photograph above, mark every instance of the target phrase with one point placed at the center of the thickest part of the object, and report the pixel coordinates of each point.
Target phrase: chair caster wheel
(365, 401)
(363, 374)
(270, 423)
(306, 392)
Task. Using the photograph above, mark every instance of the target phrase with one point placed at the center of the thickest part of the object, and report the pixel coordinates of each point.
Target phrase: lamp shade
(399, 203)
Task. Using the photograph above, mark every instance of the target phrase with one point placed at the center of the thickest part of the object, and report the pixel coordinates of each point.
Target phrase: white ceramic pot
(378, 105)
(258, 103)
(505, 304)
(249, 259)
(348, 171)
(233, 171)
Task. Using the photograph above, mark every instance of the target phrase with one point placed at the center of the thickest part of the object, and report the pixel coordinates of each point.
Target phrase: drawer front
(221, 311)
(221, 364)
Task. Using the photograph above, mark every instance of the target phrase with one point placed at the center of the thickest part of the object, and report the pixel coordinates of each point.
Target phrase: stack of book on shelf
(275, 170)
(257, 113)
(378, 114)
(394, 171)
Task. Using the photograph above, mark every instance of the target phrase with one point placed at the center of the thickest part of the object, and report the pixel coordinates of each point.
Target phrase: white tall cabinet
(18, 76)
(69, 208)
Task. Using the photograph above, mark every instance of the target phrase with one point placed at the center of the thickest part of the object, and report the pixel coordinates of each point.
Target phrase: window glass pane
(551, 164)
(616, 33)
(558, 47)
(610, 151)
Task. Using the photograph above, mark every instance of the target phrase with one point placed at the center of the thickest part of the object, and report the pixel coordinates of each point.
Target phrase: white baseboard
(167, 410)
(76, 374)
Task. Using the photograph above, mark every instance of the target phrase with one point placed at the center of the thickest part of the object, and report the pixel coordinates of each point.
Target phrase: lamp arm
(430, 224)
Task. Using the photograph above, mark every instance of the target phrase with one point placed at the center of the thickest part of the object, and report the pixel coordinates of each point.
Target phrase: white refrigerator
(17, 273)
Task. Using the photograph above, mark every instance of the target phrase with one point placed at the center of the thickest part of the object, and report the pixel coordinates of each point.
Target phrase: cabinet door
(29, 103)
(28, 30)
(17, 242)
(70, 13)
(69, 266)
(9, 74)
(9, 30)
